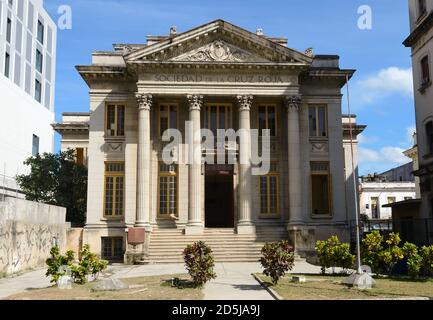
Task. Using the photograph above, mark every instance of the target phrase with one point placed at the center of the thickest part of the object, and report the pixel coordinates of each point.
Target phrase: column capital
(292, 103)
(195, 101)
(144, 101)
(245, 102)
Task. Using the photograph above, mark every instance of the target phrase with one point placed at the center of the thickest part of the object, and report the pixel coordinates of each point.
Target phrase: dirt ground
(141, 288)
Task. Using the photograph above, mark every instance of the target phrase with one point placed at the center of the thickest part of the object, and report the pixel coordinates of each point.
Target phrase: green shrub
(370, 250)
(56, 261)
(333, 253)
(325, 259)
(79, 274)
(413, 259)
(344, 259)
(199, 262)
(89, 264)
(392, 254)
(277, 258)
(427, 257)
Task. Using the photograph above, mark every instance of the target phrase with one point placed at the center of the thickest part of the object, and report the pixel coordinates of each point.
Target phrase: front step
(166, 245)
(222, 259)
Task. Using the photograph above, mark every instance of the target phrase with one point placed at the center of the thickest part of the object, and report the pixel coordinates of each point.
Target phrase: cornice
(421, 29)
(152, 65)
(357, 129)
(97, 72)
(70, 127)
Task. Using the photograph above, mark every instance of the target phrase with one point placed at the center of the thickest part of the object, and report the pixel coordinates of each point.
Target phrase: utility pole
(358, 279)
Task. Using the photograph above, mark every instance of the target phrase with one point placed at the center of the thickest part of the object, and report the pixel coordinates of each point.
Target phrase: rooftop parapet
(326, 61)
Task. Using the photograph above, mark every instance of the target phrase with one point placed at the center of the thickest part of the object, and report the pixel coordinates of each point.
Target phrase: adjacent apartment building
(27, 86)
(391, 187)
(420, 41)
(215, 76)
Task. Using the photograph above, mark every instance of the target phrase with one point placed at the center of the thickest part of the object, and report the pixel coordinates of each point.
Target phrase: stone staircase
(166, 245)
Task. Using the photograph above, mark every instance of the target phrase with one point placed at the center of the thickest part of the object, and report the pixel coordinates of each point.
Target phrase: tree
(57, 179)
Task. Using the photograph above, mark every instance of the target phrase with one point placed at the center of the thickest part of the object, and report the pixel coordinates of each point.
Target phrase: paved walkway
(233, 282)
(30, 280)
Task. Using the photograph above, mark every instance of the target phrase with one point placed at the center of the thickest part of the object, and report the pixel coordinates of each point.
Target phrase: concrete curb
(272, 292)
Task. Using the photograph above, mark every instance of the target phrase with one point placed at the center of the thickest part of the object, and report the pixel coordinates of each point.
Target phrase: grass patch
(330, 288)
(141, 288)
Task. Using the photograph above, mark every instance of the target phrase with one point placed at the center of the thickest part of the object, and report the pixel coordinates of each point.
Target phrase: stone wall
(28, 230)
(74, 240)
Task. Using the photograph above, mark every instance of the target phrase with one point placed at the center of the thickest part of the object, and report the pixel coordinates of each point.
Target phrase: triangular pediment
(218, 42)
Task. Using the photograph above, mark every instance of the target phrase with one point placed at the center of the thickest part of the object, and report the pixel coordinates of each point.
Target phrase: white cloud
(394, 154)
(391, 155)
(368, 155)
(393, 80)
(379, 160)
(363, 139)
(409, 132)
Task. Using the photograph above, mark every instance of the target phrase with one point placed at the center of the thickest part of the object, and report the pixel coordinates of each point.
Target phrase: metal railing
(417, 231)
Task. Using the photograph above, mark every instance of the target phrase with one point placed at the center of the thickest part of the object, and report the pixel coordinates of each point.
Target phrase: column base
(137, 252)
(302, 238)
(194, 230)
(246, 229)
(133, 256)
(145, 225)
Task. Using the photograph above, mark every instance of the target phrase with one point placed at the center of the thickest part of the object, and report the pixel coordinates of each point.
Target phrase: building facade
(412, 153)
(421, 44)
(216, 76)
(401, 173)
(375, 194)
(27, 86)
(380, 192)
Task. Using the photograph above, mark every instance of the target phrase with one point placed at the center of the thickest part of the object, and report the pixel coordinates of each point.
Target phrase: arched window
(425, 71)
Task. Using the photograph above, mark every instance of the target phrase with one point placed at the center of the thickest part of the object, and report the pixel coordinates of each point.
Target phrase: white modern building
(27, 86)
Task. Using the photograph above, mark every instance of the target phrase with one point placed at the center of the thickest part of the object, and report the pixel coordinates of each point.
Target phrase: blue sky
(381, 90)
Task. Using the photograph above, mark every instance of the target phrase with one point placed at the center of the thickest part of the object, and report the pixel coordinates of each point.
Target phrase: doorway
(219, 198)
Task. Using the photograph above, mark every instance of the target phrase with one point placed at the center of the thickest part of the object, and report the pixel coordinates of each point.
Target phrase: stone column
(293, 103)
(195, 223)
(245, 224)
(143, 162)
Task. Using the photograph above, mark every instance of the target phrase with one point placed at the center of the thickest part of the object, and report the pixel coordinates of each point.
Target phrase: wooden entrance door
(219, 198)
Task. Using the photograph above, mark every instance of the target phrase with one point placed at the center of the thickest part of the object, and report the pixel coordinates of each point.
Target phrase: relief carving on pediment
(218, 51)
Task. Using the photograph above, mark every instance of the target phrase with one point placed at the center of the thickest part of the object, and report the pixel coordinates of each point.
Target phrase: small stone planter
(64, 283)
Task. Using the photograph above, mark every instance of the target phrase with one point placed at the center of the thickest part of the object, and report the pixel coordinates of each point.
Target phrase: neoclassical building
(216, 76)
